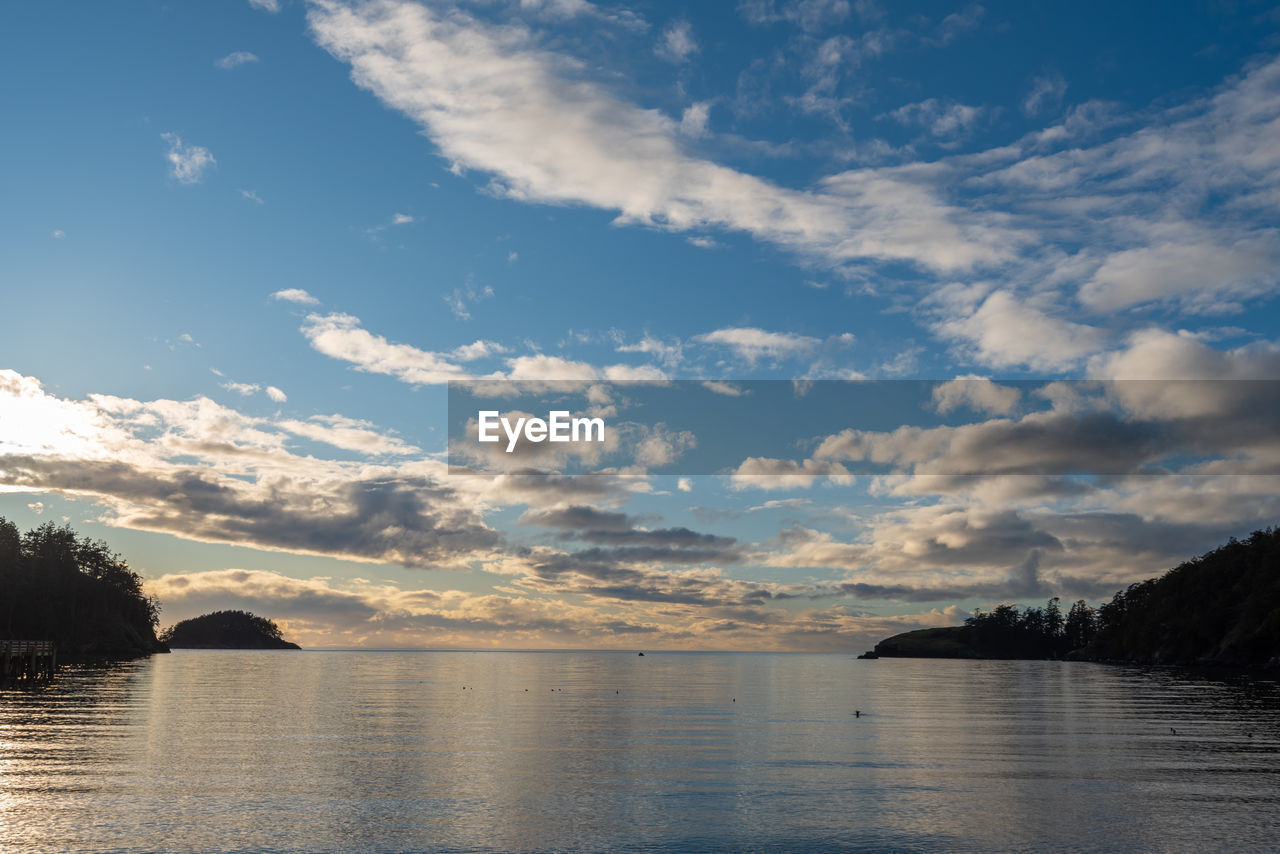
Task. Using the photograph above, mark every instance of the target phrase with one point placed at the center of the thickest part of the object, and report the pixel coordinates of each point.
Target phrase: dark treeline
(1006, 632)
(227, 630)
(1220, 608)
(76, 592)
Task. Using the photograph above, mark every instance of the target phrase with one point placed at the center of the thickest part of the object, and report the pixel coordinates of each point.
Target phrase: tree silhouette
(226, 630)
(1220, 608)
(74, 591)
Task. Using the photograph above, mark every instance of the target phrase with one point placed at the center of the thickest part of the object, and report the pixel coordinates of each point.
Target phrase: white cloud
(272, 6)
(243, 389)
(478, 350)
(340, 336)
(350, 434)
(669, 353)
(246, 389)
(705, 609)
(751, 344)
(205, 472)
(493, 100)
(809, 15)
(767, 473)
(297, 295)
(58, 234)
(958, 23)
(978, 393)
(236, 59)
(660, 446)
(188, 163)
(832, 60)
(1046, 89)
(781, 504)
(693, 121)
(461, 299)
(633, 373)
(1005, 332)
(397, 219)
(677, 43)
(252, 196)
(1158, 354)
(726, 389)
(499, 101)
(944, 120)
(561, 9)
(544, 367)
(1169, 270)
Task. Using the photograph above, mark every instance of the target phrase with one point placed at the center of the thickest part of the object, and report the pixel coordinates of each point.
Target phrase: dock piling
(26, 661)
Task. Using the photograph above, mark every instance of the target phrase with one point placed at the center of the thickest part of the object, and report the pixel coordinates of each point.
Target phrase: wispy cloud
(460, 300)
(1073, 224)
(243, 389)
(751, 344)
(810, 15)
(957, 24)
(693, 121)
(1046, 91)
(677, 43)
(246, 389)
(295, 295)
(941, 119)
(187, 163)
(235, 60)
(494, 101)
(341, 336)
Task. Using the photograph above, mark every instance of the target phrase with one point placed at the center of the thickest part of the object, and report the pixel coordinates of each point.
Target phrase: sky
(247, 245)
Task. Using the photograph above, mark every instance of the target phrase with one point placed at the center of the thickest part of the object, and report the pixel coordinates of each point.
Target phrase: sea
(352, 751)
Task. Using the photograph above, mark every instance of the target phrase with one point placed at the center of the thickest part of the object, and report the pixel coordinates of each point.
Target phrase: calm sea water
(388, 751)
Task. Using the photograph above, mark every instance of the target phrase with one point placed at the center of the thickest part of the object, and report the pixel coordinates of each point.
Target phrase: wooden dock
(26, 661)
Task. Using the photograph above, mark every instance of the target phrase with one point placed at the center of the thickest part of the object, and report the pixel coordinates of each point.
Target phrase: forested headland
(56, 585)
(1222, 608)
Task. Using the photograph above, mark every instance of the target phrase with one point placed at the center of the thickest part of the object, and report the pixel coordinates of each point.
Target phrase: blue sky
(246, 244)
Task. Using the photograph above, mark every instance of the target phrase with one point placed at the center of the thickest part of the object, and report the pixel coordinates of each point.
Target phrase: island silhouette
(226, 630)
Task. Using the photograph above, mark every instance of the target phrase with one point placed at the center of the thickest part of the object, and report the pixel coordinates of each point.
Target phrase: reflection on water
(345, 751)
